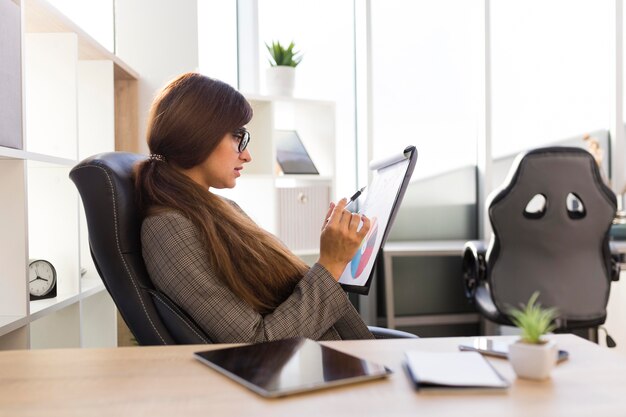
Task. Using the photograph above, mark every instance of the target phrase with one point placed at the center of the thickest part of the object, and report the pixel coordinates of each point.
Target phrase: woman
(237, 281)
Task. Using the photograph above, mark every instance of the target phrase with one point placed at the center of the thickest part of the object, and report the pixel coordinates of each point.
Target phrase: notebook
(289, 366)
(453, 370)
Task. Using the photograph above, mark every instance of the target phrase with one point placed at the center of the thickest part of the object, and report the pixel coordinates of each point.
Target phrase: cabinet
(290, 206)
(71, 96)
(393, 250)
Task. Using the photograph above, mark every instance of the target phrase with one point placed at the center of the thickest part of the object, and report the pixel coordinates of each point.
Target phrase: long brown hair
(188, 119)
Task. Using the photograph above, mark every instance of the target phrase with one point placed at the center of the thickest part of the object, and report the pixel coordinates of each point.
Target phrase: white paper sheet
(453, 369)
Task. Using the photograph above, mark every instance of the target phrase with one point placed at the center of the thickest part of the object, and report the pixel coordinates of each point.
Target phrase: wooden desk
(167, 381)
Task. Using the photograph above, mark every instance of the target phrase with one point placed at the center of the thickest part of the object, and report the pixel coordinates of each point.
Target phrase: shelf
(41, 17)
(299, 180)
(90, 284)
(249, 177)
(10, 153)
(259, 97)
(10, 323)
(42, 308)
(75, 99)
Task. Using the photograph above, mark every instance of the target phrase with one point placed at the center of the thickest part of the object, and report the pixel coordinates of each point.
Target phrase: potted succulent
(533, 356)
(280, 76)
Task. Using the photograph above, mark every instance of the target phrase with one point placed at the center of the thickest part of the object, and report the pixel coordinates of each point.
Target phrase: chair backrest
(105, 184)
(559, 247)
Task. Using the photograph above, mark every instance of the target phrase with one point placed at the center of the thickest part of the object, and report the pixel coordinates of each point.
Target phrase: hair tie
(157, 157)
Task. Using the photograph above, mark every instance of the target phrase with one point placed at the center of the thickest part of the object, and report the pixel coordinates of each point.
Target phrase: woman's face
(223, 166)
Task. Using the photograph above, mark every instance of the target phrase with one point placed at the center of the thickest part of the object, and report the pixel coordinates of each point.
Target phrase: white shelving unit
(290, 206)
(75, 99)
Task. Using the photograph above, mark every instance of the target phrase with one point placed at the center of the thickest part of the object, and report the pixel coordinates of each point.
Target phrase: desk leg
(389, 303)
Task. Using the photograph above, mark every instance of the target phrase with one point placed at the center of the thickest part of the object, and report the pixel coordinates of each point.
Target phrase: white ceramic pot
(280, 80)
(533, 361)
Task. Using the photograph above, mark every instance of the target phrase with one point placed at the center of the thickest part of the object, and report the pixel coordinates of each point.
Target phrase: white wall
(95, 17)
(159, 40)
(217, 36)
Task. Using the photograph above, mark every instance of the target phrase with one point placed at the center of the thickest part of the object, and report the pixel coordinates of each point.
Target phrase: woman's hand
(341, 237)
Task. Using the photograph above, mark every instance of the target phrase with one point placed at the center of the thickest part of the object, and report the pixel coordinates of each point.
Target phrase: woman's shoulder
(164, 213)
(165, 231)
(235, 206)
(231, 202)
(166, 219)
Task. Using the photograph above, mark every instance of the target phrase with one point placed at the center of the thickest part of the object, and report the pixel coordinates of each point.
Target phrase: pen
(355, 196)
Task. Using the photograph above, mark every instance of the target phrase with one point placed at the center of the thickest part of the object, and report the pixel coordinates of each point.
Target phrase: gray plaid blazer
(179, 267)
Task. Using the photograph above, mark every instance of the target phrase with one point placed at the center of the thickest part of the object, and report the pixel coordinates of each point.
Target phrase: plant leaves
(283, 56)
(533, 320)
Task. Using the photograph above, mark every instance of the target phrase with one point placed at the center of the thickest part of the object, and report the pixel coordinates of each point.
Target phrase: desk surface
(167, 381)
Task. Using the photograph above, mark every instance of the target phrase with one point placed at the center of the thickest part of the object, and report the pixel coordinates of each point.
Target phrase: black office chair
(550, 222)
(106, 187)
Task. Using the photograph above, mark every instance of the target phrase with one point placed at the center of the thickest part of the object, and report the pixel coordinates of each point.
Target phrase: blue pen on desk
(355, 196)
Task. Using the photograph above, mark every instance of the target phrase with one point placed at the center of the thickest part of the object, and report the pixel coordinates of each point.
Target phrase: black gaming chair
(106, 187)
(550, 222)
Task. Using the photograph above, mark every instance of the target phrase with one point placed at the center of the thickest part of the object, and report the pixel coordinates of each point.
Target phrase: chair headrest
(105, 182)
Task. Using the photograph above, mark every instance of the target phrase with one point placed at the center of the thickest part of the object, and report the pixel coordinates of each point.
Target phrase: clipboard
(383, 198)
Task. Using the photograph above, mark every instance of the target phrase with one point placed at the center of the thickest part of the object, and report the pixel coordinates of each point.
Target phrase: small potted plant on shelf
(533, 356)
(281, 74)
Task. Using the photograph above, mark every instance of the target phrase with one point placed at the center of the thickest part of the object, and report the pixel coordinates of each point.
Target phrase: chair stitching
(132, 278)
(158, 297)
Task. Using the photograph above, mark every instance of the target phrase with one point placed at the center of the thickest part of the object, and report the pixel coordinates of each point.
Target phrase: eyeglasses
(244, 138)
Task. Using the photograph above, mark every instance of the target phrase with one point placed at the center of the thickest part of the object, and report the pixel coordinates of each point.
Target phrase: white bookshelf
(292, 206)
(77, 100)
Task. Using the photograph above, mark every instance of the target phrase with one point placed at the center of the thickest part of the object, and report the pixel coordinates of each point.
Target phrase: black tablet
(498, 348)
(289, 366)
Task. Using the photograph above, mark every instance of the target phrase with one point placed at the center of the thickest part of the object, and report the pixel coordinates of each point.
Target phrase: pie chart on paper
(365, 252)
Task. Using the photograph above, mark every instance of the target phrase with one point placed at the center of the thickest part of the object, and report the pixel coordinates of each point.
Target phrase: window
(424, 61)
(217, 39)
(424, 92)
(551, 71)
(323, 31)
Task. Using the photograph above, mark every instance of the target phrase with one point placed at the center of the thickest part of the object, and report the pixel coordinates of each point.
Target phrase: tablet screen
(284, 367)
(291, 154)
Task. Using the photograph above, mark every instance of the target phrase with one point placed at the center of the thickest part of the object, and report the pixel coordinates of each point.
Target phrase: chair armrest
(474, 266)
(617, 260)
(384, 333)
